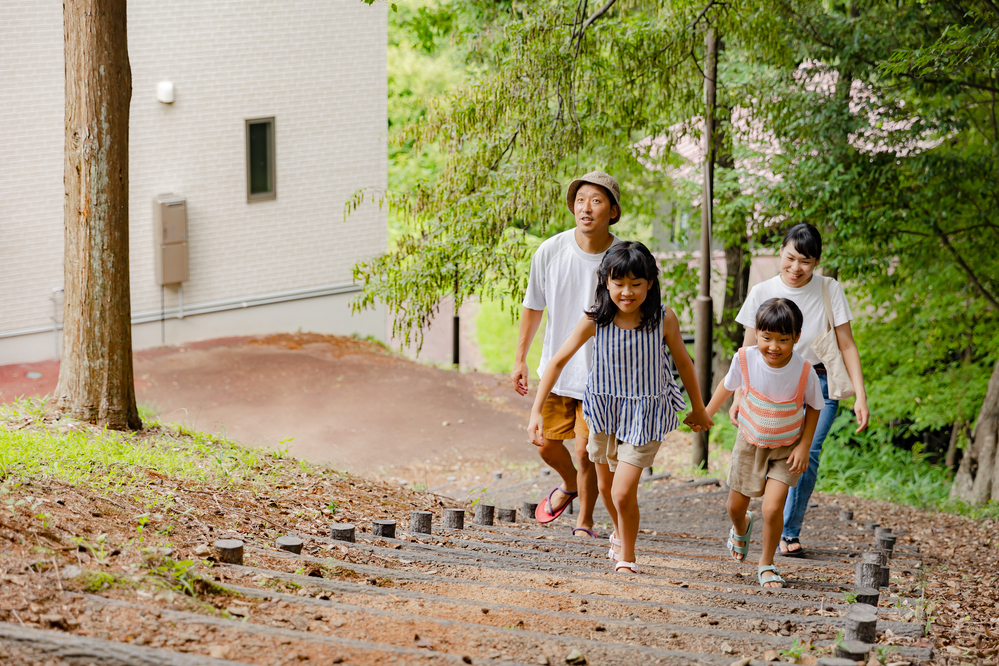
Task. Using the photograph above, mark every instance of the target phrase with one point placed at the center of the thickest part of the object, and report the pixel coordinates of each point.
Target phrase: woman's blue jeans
(797, 497)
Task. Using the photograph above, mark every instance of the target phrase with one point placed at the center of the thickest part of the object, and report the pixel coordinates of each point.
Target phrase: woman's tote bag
(826, 348)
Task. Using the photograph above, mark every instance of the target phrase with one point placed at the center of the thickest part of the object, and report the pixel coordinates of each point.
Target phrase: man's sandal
(772, 579)
(733, 537)
(630, 567)
(544, 512)
(786, 543)
(614, 541)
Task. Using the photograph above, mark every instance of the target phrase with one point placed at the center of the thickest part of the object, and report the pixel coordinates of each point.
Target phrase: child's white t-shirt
(778, 384)
(809, 301)
(564, 280)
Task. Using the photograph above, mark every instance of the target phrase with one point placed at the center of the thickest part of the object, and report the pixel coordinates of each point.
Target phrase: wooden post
(704, 308)
(420, 522)
(845, 515)
(229, 551)
(871, 525)
(835, 661)
(867, 595)
(546, 472)
(861, 623)
(454, 519)
(383, 528)
(342, 532)
(886, 542)
(497, 475)
(484, 514)
(869, 571)
(506, 515)
(96, 381)
(853, 650)
(290, 543)
(527, 510)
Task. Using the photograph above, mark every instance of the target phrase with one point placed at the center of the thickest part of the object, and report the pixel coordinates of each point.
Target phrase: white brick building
(317, 67)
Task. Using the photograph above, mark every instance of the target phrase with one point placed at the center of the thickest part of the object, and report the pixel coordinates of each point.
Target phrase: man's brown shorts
(563, 418)
(752, 466)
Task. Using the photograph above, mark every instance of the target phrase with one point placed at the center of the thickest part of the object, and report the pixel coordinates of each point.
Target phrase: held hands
(698, 420)
(798, 460)
(519, 378)
(534, 428)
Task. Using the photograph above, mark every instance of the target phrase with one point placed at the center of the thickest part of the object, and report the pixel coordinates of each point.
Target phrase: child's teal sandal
(733, 537)
(772, 579)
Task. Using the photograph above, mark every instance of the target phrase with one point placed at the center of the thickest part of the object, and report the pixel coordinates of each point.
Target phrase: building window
(261, 181)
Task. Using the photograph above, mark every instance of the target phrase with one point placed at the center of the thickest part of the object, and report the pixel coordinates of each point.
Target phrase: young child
(631, 399)
(771, 449)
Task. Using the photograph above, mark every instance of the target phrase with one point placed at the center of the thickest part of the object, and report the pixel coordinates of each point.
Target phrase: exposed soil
(324, 397)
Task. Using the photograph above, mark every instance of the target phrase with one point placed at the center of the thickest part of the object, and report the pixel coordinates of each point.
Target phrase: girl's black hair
(804, 238)
(779, 315)
(624, 259)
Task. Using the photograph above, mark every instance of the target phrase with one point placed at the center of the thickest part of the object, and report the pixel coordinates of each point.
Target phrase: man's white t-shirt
(778, 384)
(564, 280)
(809, 301)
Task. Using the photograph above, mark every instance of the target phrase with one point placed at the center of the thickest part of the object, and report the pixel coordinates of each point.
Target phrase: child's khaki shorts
(604, 449)
(753, 465)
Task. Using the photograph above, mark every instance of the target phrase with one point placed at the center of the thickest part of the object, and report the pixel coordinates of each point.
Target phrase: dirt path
(326, 398)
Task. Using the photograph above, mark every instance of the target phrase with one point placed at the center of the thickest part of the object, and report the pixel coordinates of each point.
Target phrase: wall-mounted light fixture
(164, 92)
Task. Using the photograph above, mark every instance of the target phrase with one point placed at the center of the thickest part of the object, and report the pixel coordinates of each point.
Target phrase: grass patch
(496, 334)
(32, 445)
(869, 465)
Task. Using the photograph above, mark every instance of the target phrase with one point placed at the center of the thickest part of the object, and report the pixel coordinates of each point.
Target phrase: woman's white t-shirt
(809, 301)
(564, 280)
(778, 384)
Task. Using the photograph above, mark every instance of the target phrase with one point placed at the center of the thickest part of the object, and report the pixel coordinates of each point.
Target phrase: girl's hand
(798, 460)
(534, 429)
(698, 420)
(733, 411)
(862, 413)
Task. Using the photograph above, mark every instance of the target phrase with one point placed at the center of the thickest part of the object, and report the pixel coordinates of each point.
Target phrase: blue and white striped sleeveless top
(630, 391)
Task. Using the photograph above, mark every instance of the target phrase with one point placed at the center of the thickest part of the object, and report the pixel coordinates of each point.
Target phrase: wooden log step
(54, 645)
(412, 655)
(899, 628)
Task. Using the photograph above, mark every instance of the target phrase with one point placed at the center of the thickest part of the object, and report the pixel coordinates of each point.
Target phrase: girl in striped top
(631, 399)
(775, 433)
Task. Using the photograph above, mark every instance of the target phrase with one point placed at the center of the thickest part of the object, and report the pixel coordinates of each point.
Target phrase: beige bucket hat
(605, 180)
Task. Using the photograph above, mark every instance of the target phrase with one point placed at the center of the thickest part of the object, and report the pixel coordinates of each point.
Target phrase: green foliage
(112, 460)
(796, 650)
(868, 465)
(496, 334)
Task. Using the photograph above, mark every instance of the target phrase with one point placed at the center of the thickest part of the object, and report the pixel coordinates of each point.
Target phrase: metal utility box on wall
(170, 228)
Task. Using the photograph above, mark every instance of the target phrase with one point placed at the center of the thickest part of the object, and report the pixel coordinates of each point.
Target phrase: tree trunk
(95, 379)
(977, 479)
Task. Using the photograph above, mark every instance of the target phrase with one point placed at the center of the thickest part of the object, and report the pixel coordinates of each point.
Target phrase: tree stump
(454, 519)
(506, 515)
(229, 551)
(342, 532)
(861, 623)
(383, 528)
(484, 514)
(869, 571)
(867, 595)
(887, 544)
(870, 525)
(420, 522)
(527, 510)
(290, 543)
(853, 650)
(497, 475)
(878, 531)
(885, 578)
(835, 661)
(546, 472)
(845, 515)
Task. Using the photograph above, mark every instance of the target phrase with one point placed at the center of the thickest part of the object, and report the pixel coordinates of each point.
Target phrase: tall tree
(95, 379)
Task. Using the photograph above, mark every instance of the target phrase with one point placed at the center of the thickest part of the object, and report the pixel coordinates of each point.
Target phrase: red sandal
(544, 514)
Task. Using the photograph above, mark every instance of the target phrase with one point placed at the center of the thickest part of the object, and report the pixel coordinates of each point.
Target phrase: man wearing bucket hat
(564, 279)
